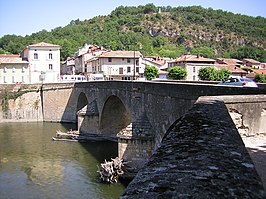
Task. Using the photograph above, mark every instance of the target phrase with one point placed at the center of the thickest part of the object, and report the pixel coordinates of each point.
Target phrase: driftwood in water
(66, 136)
(110, 171)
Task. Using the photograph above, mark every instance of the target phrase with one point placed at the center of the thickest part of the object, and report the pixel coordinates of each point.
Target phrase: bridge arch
(115, 116)
(80, 107)
(82, 101)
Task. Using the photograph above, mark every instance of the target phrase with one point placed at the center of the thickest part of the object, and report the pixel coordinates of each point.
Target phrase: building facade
(14, 70)
(44, 62)
(192, 64)
(121, 65)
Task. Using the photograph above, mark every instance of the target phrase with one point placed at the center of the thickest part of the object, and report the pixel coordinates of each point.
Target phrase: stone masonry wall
(248, 113)
(21, 104)
(201, 156)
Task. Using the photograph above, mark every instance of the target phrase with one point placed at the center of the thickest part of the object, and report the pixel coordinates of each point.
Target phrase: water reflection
(33, 166)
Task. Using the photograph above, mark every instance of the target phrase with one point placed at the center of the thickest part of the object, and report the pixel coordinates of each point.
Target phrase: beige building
(192, 64)
(14, 70)
(44, 62)
(121, 65)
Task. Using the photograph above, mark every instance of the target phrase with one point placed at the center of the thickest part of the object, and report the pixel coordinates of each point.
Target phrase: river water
(32, 166)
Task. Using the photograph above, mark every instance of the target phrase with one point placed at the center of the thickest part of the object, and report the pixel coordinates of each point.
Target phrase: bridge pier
(88, 119)
(134, 151)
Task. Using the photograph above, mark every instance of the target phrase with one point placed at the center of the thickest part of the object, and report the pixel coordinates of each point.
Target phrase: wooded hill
(164, 31)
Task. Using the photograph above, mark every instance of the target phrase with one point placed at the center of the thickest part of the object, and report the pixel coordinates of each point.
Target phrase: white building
(121, 65)
(83, 57)
(44, 62)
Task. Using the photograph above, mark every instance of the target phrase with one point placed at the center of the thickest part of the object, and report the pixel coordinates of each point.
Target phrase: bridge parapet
(201, 156)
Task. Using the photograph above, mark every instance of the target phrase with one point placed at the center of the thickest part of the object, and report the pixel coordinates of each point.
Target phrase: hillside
(170, 32)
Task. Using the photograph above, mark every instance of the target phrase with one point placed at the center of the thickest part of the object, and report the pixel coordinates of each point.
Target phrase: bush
(211, 74)
(177, 73)
(151, 72)
(261, 78)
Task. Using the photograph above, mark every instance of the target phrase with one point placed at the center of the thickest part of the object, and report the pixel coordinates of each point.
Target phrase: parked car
(239, 81)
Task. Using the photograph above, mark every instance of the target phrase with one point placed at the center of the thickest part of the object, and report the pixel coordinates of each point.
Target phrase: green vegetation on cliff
(171, 32)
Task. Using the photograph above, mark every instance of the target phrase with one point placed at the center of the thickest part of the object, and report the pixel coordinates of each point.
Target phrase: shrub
(177, 73)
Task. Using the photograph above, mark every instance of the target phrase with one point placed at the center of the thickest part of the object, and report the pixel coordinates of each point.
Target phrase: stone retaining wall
(201, 156)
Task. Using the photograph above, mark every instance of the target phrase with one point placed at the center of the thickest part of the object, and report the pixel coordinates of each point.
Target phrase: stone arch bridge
(137, 114)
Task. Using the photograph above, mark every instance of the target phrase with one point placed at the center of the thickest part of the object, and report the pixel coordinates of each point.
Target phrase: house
(121, 65)
(236, 71)
(227, 61)
(68, 66)
(251, 63)
(254, 72)
(14, 70)
(44, 62)
(192, 64)
(83, 57)
(262, 66)
(158, 62)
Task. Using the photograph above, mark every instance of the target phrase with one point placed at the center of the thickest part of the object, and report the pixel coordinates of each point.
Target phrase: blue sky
(21, 17)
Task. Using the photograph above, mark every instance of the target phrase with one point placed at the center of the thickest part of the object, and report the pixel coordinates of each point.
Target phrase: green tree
(204, 51)
(211, 74)
(222, 74)
(260, 78)
(207, 73)
(151, 72)
(177, 73)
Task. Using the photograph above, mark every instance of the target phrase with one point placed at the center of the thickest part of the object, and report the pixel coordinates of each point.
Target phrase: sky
(24, 17)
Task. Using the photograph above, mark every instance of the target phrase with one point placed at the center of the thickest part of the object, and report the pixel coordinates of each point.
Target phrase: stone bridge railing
(201, 156)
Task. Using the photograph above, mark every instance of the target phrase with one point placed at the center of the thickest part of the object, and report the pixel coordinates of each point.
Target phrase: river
(33, 166)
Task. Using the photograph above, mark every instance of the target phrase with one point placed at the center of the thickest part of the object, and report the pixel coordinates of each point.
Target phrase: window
(109, 59)
(23, 69)
(35, 55)
(13, 79)
(5, 79)
(86, 68)
(13, 69)
(194, 69)
(5, 69)
(128, 60)
(120, 71)
(137, 69)
(50, 66)
(194, 77)
(22, 79)
(137, 62)
(50, 56)
(128, 69)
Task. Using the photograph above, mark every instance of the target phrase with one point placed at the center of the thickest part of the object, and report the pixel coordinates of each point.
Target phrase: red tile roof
(193, 58)
(253, 61)
(230, 61)
(43, 44)
(231, 68)
(260, 71)
(120, 54)
(11, 59)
